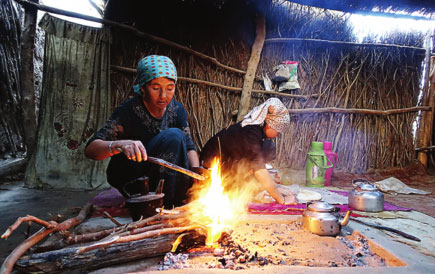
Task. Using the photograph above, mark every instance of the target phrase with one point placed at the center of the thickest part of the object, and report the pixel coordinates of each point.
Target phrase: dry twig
(9, 262)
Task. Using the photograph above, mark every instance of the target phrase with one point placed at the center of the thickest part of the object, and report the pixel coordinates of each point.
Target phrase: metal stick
(401, 233)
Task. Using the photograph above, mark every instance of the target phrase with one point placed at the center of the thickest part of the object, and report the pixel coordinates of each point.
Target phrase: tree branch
(9, 262)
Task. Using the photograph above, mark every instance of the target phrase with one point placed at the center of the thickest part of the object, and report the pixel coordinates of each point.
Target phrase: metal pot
(143, 206)
(144, 203)
(365, 197)
(323, 219)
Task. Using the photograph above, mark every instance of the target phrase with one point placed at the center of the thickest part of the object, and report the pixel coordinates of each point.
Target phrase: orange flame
(215, 208)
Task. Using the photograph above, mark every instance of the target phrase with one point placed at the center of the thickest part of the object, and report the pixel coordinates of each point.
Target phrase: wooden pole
(425, 127)
(12, 166)
(425, 148)
(293, 40)
(27, 77)
(248, 82)
(202, 82)
(360, 111)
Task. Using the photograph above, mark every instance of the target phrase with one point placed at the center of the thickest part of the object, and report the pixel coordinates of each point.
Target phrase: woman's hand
(290, 200)
(133, 150)
(201, 171)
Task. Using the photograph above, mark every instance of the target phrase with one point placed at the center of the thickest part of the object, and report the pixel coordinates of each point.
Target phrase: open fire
(215, 207)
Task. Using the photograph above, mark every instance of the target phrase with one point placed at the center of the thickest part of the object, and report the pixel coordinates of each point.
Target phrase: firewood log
(68, 258)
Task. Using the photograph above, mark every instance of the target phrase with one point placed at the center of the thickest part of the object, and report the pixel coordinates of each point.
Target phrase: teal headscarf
(154, 66)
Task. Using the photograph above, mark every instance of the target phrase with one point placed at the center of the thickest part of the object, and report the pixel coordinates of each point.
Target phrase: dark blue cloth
(169, 145)
(167, 138)
(240, 150)
(237, 143)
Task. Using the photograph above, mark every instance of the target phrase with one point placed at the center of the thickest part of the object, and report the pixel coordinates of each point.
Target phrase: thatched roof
(426, 7)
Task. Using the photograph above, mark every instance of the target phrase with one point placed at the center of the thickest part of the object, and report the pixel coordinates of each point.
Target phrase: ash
(359, 251)
(234, 256)
(174, 261)
(256, 245)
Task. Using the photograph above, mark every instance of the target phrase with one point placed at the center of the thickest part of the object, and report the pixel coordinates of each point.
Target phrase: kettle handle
(143, 178)
(357, 182)
(325, 163)
(125, 190)
(328, 161)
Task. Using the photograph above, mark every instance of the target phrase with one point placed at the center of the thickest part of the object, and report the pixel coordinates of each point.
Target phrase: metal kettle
(365, 197)
(144, 203)
(323, 219)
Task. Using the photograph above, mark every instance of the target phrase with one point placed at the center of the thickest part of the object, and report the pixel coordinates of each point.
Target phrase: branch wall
(346, 76)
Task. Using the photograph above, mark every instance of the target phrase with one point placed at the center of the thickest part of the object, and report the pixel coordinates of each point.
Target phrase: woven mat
(277, 209)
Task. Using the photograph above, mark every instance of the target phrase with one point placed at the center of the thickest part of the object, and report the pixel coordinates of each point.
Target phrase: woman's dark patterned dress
(167, 138)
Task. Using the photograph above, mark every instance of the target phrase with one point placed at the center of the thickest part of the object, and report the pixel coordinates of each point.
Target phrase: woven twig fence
(346, 76)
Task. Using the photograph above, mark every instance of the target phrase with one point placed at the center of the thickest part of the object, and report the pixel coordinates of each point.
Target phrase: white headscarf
(278, 120)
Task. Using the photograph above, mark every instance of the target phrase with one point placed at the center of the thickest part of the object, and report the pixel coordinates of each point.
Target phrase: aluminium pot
(365, 197)
(323, 219)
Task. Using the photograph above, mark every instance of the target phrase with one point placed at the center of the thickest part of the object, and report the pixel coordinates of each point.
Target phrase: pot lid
(367, 187)
(320, 206)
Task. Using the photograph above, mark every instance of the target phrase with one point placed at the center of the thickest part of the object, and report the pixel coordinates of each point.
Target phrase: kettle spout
(346, 218)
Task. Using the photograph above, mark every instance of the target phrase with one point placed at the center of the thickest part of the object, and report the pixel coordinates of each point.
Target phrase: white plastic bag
(287, 74)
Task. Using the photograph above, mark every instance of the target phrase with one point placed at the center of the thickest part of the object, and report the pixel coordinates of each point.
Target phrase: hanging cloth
(75, 102)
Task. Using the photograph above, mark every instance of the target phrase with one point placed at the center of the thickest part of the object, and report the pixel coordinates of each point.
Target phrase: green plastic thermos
(316, 165)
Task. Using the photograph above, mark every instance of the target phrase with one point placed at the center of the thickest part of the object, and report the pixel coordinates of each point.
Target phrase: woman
(151, 123)
(245, 147)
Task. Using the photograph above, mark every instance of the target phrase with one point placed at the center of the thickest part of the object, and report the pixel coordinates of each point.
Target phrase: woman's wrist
(110, 148)
(113, 148)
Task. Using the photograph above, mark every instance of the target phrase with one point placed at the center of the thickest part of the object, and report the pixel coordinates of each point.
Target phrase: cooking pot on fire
(323, 219)
(365, 197)
(143, 203)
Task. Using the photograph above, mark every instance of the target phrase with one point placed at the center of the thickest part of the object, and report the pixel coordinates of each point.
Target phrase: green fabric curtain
(75, 102)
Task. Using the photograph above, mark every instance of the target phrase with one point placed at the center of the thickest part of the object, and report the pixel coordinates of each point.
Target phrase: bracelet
(110, 148)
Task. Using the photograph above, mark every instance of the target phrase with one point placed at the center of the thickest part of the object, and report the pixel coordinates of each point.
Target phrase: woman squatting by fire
(244, 149)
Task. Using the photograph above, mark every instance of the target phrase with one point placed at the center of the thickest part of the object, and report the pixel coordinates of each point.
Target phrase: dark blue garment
(167, 138)
(240, 150)
(237, 143)
(169, 145)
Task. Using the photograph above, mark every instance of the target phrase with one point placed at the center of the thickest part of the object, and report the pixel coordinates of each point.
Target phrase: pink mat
(276, 209)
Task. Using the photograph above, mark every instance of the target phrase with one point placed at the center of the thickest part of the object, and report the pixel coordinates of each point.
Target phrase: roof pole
(248, 82)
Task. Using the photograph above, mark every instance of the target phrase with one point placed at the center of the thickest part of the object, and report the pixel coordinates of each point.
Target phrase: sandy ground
(258, 243)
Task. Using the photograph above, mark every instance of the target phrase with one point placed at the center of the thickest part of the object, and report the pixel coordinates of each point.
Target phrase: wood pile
(148, 237)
